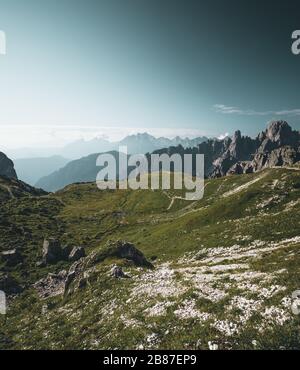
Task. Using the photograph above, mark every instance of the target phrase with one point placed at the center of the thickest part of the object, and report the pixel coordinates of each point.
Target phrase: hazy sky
(74, 66)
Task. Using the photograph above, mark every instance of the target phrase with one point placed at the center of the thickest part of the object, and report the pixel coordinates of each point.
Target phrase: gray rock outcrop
(11, 257)
(52, 251)
(118, 273)
(7, 167)
(278, 145)
(76, 253)
(127, 250)
(52, 285)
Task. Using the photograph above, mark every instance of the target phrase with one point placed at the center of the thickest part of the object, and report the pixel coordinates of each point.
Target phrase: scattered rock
(118, 273)
(76, 253)
(213, 346)
(11, 257)
(40, 264)
(52, 285)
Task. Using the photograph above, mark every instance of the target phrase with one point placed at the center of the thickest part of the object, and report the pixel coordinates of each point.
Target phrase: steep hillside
(224, 267)
(80, 170)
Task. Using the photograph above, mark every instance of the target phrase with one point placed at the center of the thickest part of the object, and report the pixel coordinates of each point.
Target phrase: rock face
(11, 257)
(52, 251)
(7, 167)
(278, 145)
(76, 253)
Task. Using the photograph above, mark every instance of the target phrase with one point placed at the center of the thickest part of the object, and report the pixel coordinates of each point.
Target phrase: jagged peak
(277, 129)
(237, 135)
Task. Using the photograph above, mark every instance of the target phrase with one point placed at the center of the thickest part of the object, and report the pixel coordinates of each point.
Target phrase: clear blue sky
(213, 66)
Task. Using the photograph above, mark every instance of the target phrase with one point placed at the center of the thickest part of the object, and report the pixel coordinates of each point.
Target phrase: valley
(224, 267)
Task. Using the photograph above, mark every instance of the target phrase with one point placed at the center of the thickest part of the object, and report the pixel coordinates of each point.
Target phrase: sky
(80, 68)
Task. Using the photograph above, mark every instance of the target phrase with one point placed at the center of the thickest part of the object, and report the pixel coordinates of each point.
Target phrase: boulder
(9, 285)
(127, 250)
(119, 249)
(11, 257)
(76, 253)
(52, 251)
(236, 169)
(118, 273)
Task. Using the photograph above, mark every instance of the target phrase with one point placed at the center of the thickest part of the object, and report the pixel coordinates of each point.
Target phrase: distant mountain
(80, 170)
(278, 145)
(7, 167)
(31, 170)
(138, 143)
(83, 148)
(145, 143)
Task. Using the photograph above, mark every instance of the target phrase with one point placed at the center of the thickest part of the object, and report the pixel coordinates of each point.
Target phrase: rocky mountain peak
(279, 131)
(237, 136)
(7, 167)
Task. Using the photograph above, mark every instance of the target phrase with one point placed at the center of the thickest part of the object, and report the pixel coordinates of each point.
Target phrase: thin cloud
(225, 109)
(223, 136)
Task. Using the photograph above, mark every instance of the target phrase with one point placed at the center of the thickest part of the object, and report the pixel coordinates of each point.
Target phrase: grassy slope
(112, 313)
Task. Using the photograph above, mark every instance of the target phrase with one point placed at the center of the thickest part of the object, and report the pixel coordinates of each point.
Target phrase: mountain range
(137, 143)
(34, 164)
(278, 145)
